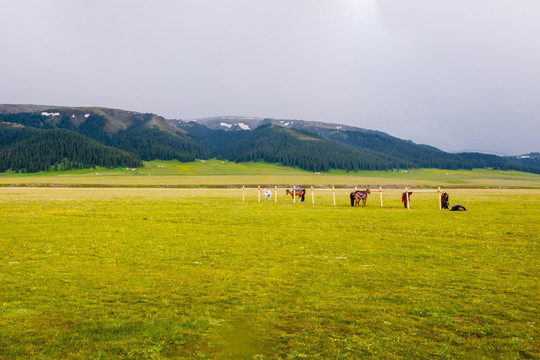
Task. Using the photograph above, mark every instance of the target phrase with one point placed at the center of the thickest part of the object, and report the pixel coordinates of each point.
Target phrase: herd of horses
(358, 196)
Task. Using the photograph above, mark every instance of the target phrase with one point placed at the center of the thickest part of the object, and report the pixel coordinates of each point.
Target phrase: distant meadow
(224, 173)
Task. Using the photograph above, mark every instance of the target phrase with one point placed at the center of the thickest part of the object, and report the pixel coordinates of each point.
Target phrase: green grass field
(218, 173)
(148, 273)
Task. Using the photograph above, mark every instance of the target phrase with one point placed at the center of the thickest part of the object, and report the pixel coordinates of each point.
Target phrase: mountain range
(41, 138)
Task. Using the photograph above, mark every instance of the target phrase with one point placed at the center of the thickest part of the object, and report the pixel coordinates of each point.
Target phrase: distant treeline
(307, 151)
(24, 149)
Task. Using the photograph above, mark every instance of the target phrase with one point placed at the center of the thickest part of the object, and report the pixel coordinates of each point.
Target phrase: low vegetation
(224, 173)
(197, 273)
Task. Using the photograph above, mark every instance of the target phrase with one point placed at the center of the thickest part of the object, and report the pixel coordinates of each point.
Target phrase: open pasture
(196, 273)
(220, 173)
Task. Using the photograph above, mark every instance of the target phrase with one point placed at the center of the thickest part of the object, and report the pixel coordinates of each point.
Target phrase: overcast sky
(458, 75)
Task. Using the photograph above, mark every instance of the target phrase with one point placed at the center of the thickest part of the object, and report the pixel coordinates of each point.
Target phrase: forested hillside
(407, 153)
(140, 136)
(296, 148)
(411, 154)
(151, 144)
(34, 138)
(338, 148)
(289, 147)
(25, 149)
(531, 159)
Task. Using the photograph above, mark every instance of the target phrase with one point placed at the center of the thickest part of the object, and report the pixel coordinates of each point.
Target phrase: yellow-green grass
(216, 173)
(197, 273)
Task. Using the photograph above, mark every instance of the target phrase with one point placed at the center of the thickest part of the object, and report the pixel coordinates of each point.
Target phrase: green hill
(296, 148)
(25, 149)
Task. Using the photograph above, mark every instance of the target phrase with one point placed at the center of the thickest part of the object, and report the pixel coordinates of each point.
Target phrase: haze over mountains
(40, 138)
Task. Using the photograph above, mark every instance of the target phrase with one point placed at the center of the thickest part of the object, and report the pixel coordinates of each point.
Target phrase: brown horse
(358, 195)
(300, 193)
(444, 200)
(404, 197)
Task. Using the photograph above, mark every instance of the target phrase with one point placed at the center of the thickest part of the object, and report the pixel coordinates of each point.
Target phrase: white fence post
(380, 195)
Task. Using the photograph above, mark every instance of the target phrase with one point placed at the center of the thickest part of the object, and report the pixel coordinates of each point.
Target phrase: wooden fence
(312, 190)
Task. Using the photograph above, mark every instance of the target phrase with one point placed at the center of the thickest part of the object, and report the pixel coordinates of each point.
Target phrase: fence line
(405, 195)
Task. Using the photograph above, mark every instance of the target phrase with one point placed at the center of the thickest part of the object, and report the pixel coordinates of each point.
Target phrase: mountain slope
(148, 136)
(531, 159)
(152, 143)
(30, 150)
(376, 141)
(406, 152)
(293, 147)
(313, 146)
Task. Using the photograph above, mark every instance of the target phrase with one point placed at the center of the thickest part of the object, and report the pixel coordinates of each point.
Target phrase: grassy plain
(148, 273)
(217, 173)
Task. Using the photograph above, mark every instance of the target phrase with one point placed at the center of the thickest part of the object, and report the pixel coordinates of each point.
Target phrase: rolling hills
(39, 137)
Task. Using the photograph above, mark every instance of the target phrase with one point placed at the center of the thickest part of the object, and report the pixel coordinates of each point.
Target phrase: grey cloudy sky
(458, 75)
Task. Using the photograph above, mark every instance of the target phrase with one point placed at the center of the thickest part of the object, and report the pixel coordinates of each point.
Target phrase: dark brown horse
(444, 200)
(405, 197)
(300, 193)
(358, 195)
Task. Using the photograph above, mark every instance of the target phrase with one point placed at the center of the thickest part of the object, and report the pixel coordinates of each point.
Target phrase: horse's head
(368, 191)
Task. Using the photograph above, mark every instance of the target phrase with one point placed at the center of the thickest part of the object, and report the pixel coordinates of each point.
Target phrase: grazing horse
(300, 193)
(405, 197)
(267, 194)
(358, 195)
(444, 200)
